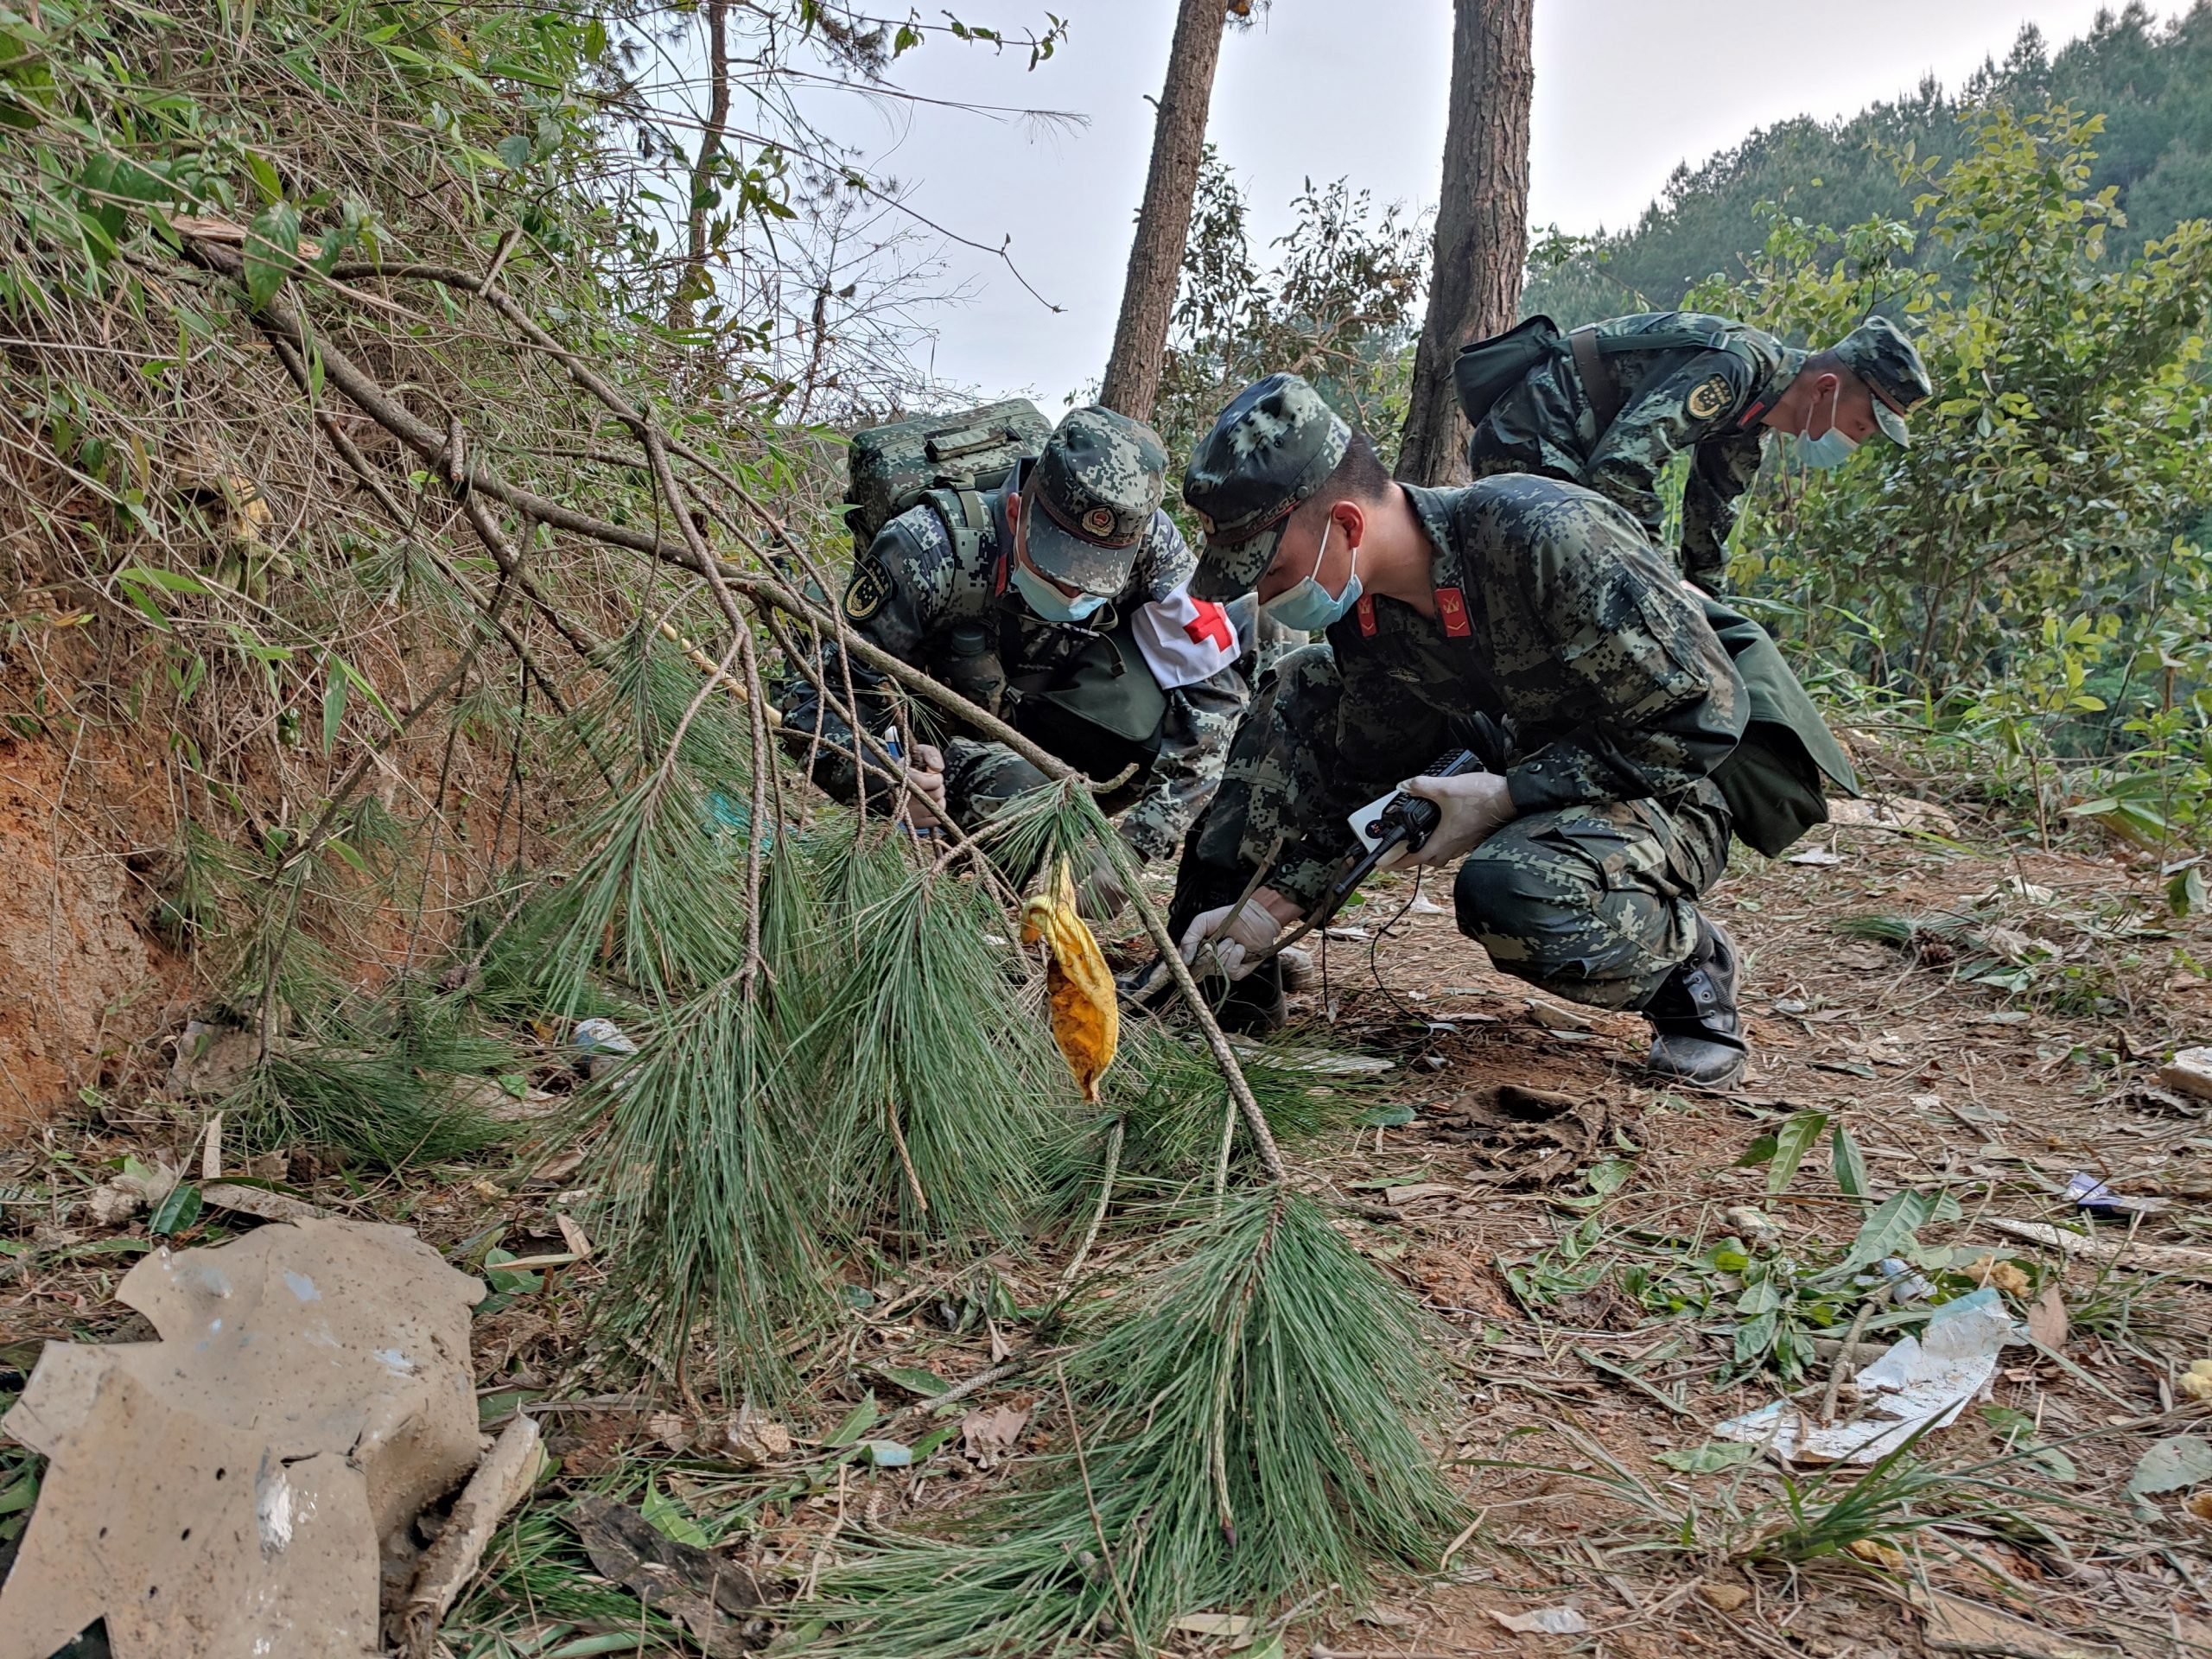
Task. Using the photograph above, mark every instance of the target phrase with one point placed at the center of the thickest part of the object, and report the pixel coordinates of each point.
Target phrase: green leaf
(510, 1283)
(272, 246)
(857, 1422)
(177, 1210)
(264, 177)
(914, 1380)
(1889, 1228)
(333, 698)
(1849, 1167)
(1708, 1459)
(664, 1515)
(1792, 1143)
(1609, 1177)
(514, 150)
(173, 581)
(2172, 1464)
(1763, 1147)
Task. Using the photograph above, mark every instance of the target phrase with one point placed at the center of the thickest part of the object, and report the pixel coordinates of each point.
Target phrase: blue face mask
(1309, 605)
(1831, 449)
(1049, 602)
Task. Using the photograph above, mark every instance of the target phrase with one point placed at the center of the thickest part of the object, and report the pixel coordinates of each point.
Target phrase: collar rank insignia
(1452, 608)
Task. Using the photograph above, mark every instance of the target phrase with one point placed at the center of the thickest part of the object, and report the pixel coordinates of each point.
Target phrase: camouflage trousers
(1596, 904)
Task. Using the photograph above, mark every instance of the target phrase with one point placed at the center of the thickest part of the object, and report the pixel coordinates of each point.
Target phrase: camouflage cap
(1878, 352)
(1271, 449)
(1095, 486)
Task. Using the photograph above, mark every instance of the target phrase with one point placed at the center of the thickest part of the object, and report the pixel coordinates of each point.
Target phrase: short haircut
(1360, 476)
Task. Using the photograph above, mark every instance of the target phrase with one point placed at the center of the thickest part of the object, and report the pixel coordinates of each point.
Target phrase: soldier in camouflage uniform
(1671, 382)
(1520, 616)
(1072, 620)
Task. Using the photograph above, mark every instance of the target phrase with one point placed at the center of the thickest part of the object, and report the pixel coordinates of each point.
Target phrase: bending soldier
(1521, 613)
(1064, 610)
(1618, 400)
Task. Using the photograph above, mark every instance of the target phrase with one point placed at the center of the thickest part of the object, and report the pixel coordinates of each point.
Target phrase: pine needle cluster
(1243, 1431)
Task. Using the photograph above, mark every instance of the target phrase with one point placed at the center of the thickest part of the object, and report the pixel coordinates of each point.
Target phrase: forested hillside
(2151, 80)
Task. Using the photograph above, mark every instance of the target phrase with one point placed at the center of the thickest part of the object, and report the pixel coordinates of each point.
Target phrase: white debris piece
(1920, 1383)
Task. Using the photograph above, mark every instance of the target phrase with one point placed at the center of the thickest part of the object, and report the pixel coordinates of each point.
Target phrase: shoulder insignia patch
(1709, 398)
(869, 587)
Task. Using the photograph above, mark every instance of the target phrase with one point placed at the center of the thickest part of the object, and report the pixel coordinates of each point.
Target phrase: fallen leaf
(1727, 1597)
(711, 1597)
(1875, 1553)
(670, 1429)
(754, 1441)
(1544, 1621)
(2172, 1464)
(1987, 1269)
(574, 1236)
(992, 1433)
(2047, 1321)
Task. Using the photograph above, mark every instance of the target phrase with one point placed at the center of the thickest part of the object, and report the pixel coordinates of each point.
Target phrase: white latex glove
(1474, 805)
(925, 803)
(1234, 936)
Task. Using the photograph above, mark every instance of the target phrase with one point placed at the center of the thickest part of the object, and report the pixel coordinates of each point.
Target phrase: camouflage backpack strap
(966, 518)
(1602, 386)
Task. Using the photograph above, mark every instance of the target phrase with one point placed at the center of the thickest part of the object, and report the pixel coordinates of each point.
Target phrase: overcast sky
(1625, 90)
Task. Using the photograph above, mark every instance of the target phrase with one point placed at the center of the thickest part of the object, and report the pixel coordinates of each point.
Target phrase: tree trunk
(1178, 137)
(692, 279)
(1482, 225)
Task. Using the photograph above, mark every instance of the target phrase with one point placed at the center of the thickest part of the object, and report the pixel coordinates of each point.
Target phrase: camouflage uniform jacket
(1706, 402)
(1555, 619)
(910, 589)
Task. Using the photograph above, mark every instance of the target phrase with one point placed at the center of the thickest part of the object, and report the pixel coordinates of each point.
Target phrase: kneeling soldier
(1059, 601)
(1522, 615)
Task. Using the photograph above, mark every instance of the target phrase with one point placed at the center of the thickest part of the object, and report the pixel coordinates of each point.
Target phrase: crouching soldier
(1611, 404)
(1522, 613)
(1058, 600)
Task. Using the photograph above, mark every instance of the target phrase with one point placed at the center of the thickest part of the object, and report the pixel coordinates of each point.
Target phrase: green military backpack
(947, 459)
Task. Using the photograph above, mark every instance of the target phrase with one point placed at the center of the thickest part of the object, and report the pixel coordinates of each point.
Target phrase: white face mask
(1833, 448)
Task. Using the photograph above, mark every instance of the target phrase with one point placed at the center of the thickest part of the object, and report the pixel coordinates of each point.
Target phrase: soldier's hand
(1234, 935)
(1474, 803)
(924, 805)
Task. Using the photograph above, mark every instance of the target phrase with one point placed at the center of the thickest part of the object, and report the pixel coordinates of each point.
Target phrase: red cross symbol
(1210, 625)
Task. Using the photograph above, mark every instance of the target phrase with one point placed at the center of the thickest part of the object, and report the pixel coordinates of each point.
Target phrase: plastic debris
(1920, 1384)
(603, 1046)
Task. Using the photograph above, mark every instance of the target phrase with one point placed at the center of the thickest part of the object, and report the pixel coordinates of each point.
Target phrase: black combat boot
(1697, 1033)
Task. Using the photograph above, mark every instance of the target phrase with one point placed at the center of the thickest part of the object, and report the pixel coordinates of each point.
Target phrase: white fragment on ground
(1544, 1621)
(230, 1488)
(2190, 1073)
(1919, 1384)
